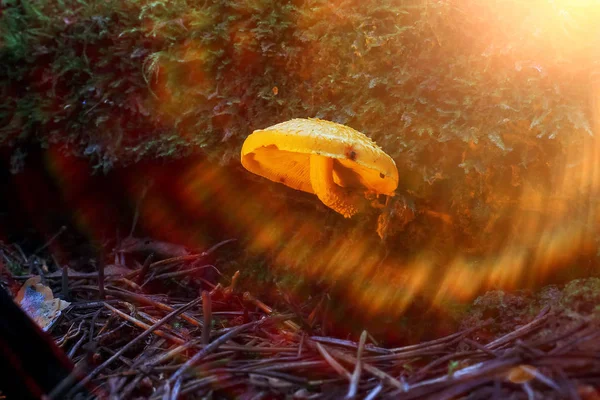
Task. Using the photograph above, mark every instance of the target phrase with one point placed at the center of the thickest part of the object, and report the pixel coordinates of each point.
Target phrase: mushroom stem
(332, 195)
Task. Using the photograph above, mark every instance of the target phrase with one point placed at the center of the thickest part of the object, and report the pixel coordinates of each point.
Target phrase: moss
(502, 306)
(464, 98)
(581, 295)
(130, 79)
(578, 299)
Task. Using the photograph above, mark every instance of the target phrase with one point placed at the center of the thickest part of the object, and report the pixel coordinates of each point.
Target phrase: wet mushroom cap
(282, 153)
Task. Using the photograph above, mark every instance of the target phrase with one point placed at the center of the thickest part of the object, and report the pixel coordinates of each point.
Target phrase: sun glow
(550, 229)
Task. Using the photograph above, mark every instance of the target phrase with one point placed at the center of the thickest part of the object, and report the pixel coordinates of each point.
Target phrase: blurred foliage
(575, 301)
(462, 94)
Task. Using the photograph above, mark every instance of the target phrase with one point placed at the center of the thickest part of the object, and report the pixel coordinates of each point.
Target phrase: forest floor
(128, 339)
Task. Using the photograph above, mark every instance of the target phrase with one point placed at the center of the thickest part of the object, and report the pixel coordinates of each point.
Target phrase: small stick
(300, 346)
(439, 361)
(35, 263)
(192, 257)
(160, 358)
(69, 335)
(442, 340)
(49, 242)
(280, 375)
(479, 346)
(375, 392)
(529, 390)
(212, 347)
(132, 343)
(541, 377)
(100, 337)
(584, 335)
(65, 283)
(268, 310)
(372, 339)
(59, 390)
(522, 331)
(313, 315)
(176, 390)
(76, 346)
(337, 367)
(177, 377)
(129, 283)
(175, 274)
(283, 366)
(207, 311)
(22, 253)
(556, 339)
(93, 324)
(143, 325)
(100, 264)
(167, 261)
(353, 388)
(385, 377)
(144, 270)
(140, 299)
(216, 246)
(350, 344)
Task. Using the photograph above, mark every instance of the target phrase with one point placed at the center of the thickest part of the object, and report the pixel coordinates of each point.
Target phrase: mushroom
(337, 163)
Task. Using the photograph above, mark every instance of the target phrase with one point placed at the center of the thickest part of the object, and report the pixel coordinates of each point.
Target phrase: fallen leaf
(39, 303)
(521, 374)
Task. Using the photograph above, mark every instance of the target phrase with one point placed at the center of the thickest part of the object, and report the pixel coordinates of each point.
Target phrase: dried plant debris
(222, 343)
(38, 301)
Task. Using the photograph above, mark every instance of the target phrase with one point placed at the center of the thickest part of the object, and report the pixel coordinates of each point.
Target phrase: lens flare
(549, 228)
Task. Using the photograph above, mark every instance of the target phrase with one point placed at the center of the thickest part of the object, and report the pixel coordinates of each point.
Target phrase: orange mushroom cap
(331, 160)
